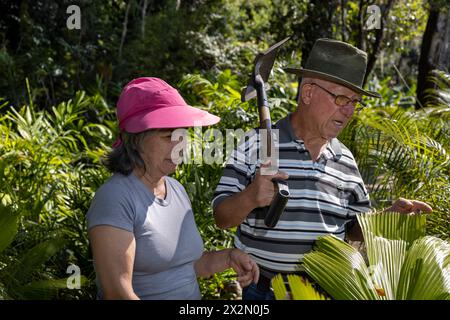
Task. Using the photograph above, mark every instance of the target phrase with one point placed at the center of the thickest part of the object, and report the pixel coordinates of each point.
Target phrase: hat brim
(169, 118)
(324, 76)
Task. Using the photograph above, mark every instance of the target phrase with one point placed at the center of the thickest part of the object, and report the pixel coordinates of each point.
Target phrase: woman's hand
(246, 268)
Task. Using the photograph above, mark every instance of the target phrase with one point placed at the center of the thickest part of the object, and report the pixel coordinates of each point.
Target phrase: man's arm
(234, 209)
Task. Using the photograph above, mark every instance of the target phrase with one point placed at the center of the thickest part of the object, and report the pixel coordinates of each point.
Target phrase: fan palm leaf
(403, 262)
(301, 288)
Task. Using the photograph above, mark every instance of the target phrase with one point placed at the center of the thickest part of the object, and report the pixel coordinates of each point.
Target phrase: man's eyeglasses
(342, 101)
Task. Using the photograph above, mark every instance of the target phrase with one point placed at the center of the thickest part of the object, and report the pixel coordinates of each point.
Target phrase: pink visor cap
(151, 103)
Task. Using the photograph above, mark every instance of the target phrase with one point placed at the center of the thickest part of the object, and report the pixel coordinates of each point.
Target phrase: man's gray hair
(126, 157)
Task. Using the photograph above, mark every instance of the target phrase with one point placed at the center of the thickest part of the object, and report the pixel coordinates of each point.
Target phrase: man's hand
(410, 206)
(233, 210)
(262, 189)
(246, 268)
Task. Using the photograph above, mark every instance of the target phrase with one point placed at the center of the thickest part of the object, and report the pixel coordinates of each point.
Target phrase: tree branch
(379, 37)
(124, 30)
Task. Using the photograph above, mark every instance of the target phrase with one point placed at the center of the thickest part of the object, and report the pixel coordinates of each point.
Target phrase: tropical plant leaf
(340, 270)
(301, 289)
(33, 259)
(44, 289)
(386, 259)
(8, 226)
(388, 236)
(426, 272)
(279, 288)
(403, 263)
(392, 226)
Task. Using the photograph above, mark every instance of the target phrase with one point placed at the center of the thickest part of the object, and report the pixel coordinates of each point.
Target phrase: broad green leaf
(44, 289)
(279, 288)
(387, 237)
(393, 226)
(340, 270)
(403, 263)
(8, 226)
(301, 289)
(33, 259)
(426, 272)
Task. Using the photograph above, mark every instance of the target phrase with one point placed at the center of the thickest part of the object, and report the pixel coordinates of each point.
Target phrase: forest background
(59, 85)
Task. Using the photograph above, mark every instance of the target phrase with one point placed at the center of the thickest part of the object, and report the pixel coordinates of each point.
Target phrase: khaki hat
(338, 62)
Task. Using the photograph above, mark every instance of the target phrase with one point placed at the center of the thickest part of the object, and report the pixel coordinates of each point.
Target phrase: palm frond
(8, 226)
(340, 270)
(392, 226)
(43, 289)
(301, 289)
(426, 271)
(403, 262)
(21, 271)
(279, 288)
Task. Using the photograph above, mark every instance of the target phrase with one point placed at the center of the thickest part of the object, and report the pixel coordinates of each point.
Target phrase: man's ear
(306, 93)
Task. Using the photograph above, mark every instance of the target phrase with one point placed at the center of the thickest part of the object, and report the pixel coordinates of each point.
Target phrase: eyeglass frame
(361, 105)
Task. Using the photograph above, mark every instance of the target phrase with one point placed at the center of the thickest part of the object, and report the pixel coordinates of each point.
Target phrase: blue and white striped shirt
(325, 195)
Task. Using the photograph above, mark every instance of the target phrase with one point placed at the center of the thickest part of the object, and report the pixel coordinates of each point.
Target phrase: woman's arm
(113, 250)
(217, 261)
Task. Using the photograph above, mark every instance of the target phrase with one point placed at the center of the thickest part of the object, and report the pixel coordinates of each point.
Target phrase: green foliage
(50, 165)
(350, 275)
(403, 263)
(221, 286)
(50, 160)
(169, 39)
(402, 152)
(50, 169)
(301, 289)
(8, 225)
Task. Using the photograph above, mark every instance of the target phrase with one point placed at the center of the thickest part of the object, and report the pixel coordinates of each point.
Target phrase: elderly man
(327, 190)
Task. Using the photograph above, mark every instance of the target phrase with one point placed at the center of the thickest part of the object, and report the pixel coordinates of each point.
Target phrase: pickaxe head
(263, 65)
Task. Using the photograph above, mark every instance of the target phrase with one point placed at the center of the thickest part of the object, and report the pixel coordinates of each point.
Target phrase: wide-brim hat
(338, 62)
(150, 103)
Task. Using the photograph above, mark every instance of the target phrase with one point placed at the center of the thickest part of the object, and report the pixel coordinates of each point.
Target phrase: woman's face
(156, 150)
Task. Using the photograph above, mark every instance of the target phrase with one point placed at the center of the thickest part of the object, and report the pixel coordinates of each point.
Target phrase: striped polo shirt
(324, 196)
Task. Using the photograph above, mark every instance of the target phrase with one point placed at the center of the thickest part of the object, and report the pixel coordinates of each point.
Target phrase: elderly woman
(144, 239)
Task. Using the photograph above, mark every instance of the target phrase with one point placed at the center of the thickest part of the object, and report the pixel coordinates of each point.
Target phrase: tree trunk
(124, 30)
(435, 51)
(361, 30)
(343, 28)
(144, 12)
(317, 25)
(373, 54)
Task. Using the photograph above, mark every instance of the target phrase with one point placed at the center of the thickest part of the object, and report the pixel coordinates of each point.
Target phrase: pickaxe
(257, 88)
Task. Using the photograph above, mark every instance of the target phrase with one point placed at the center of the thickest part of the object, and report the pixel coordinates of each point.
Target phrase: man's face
(327, 118)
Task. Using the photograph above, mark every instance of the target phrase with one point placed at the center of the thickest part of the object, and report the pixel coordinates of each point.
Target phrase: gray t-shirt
(167, 239)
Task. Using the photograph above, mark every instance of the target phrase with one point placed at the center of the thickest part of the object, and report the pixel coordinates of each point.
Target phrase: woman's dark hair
(126, 157)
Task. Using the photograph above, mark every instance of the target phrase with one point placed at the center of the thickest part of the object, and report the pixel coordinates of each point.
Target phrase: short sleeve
(359, 203)
(240, 167)
(111, 206)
